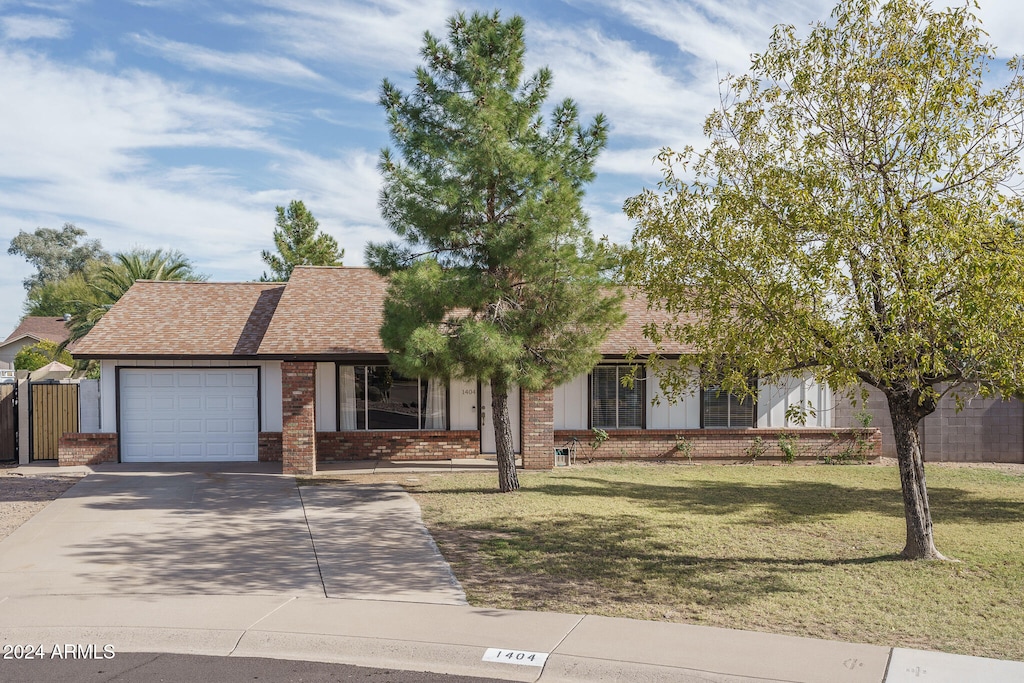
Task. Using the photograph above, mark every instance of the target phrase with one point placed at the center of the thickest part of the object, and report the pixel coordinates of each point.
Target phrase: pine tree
(497, 275)
(298, 244)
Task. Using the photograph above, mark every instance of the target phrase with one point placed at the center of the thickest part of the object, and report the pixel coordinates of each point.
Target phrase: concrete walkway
(214, 563)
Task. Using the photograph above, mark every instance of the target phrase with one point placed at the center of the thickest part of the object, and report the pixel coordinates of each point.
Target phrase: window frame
(639, 381)
(728, 395)
(366, 403)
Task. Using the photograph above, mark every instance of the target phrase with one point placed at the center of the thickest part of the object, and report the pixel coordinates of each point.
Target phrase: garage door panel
(188, 415)
(190, 403)
(239, 380)
(161, 381)
(239, 426)
(136, 426)
(217, 379)
(243, 403)
(164, 426)
(134, 380)
(217, 403)
(163, 450)
(190, 380)
(161, 403)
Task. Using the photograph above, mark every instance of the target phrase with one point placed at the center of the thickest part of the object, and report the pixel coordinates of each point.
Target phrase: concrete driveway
(226, 531)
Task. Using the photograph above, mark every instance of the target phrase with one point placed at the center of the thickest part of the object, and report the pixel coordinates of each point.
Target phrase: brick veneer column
(538, 418)
(298, 433)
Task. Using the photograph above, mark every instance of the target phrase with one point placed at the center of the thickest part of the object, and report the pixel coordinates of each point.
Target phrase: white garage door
(189, 415)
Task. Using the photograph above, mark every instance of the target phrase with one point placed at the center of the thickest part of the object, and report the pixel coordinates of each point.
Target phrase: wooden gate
(8, 421)
(53, 410)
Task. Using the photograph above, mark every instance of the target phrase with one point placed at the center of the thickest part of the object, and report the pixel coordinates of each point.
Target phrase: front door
(487, 427)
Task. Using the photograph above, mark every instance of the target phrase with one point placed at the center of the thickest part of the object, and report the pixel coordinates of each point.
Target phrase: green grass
(800, 550)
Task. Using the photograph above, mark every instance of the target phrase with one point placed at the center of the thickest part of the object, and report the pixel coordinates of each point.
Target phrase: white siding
(326, 410)
(571, 404)
(775, 399)
(270, 398)
(677, 412)
(108, 397)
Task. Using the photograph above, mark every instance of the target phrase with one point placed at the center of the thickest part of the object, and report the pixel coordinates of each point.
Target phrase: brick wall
(399, 445)
(269, 447)
(728, 445)
(538, 424)
(86, 449)
(298, 399)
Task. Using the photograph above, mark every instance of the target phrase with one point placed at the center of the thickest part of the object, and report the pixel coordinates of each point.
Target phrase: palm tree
(112, 281)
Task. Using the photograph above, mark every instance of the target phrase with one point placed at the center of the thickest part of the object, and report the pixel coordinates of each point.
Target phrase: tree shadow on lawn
(620, 560)
(789, 501)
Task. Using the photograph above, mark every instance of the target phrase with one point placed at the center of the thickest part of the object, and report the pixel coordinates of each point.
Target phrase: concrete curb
(453, 639)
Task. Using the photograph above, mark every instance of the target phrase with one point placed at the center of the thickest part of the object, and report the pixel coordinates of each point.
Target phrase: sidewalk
(523, 646)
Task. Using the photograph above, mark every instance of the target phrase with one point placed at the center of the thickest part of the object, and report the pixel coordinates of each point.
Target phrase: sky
(181, 124)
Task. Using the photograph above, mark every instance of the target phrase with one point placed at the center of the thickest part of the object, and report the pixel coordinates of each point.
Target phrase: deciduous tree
(857, 214)
(42, 353)
(56, 254)
(497, 275)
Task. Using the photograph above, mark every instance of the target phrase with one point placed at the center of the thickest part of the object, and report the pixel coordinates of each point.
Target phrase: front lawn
(801, 550)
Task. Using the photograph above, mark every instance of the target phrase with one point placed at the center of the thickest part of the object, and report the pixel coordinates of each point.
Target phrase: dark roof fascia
(350, 357)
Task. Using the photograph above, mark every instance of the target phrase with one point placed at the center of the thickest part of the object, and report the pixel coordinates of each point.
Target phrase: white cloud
(648, 105)
(29, 26)
(638, 161)
(386, 34)
(102, 56)
(257, 66)
(77, 144)
(61, 122)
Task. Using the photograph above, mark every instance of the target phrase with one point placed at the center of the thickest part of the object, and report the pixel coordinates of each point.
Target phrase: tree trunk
(906, 416)
(508, 479)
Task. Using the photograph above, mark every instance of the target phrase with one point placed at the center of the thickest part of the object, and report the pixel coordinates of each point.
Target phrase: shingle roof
(185, 319)
(320, 312)
(328, 311)
(39, 327)
(631, 335)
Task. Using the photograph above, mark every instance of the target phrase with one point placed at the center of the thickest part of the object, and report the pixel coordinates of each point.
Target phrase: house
(295, 372)
(31, 330)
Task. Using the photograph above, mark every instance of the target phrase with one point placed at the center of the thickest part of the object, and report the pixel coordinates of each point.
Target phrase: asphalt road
(172, 668)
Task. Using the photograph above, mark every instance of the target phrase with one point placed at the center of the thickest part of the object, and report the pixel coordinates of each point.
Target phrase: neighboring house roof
(39, 328)
(320, 313)
(184, 319)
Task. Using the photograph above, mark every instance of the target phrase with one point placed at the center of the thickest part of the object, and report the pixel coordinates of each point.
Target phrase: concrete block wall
(986, 430)
(726, 445)
(86, 449)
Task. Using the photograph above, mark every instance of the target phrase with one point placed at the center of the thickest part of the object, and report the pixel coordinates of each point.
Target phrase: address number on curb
(522, 657)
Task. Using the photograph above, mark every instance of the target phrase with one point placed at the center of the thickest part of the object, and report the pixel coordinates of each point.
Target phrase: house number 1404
(523, 657)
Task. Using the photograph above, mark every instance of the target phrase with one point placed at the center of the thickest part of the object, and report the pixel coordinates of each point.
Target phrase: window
(613, 406)
(722, 409)
(379, 397)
